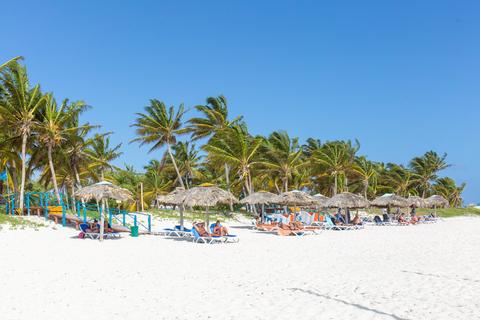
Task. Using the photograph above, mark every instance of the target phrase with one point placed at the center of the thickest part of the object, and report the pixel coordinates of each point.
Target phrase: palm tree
(426, 169)
(188, 159)
(102, 154)
(282, 156)
(10, 62)
(54, 127)
(214, 120)
(337, 159)
(447, 188)
(160, 127)
(398, 179)
(237, 148)
(367, 172)
(18, 108)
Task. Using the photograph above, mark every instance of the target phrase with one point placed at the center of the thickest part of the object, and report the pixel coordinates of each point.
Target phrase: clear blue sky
(401, 76)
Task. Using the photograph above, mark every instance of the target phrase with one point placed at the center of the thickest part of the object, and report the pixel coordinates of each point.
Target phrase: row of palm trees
(43, 145)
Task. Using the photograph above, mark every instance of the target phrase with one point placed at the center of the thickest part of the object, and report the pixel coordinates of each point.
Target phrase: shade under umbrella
(390, 200)
(207, 197)
(417, 202)
(102, 191)
(296, 198)
(347, 200)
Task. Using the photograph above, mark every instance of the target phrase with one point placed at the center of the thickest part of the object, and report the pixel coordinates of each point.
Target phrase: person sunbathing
(356, 220)
(219, 230)
(200, 227)
(107, 227)
(402, 220)
(93, 227)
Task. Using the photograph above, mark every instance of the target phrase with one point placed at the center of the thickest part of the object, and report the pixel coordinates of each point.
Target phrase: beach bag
(81, 235)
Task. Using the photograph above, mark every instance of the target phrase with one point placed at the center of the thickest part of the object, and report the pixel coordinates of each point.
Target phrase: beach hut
(260, 198)
(390, 200)
(102, 191)
(206, 197)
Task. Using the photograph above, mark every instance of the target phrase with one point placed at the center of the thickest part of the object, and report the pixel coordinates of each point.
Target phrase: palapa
(102, 191)
(417, 202)
(437, 201)
(296, 198)
(261, 197)
(347, 200)
(390, 200)
(321, 200)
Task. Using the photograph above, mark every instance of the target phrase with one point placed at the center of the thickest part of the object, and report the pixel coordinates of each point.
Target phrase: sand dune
(421, 272)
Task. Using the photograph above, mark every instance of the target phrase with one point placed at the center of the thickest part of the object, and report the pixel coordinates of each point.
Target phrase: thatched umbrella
(417, 202)
(321, 200)
(261, 198)
(296, 198)
(390, 200)
(437, 201)
(347, 200)
(175, 197)
(206, 197)
(102, 191)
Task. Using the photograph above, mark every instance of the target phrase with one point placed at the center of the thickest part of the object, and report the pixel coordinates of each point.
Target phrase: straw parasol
(417, 202)
(390, 200)
(175, 197)
(102, 191)
(296, 198)
(321, 199)
(261, 197)
(437, 201)
(206, 197)
(347, 200)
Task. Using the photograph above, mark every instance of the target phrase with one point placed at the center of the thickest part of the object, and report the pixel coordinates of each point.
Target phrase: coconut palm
(447, 188)
(160, 127)
(101, 154)
(18, 108)
(237, 148)
(188, 160)
(336, 158)
(367, 172)
(426, 169)
(54, 126)
(282, 156)
(397, 179)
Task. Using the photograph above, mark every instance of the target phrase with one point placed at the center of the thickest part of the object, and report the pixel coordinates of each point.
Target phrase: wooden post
(141, 196)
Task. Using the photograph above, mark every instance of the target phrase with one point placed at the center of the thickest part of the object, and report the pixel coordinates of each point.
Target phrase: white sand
(420, 272)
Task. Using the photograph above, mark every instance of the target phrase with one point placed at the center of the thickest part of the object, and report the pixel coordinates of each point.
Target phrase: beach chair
(177, 231)
(91, 235)
(228, 238)
(208, 240)
(329, 225)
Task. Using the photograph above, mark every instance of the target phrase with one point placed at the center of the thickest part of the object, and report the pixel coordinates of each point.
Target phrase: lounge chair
(233, 238)
(208, 240)
(91, 235)
(177, 231)
(329, 225)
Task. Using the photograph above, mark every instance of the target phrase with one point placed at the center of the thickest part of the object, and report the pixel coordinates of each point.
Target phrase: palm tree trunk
(77, 176)
(13, 173)
(169, 149)
(286, 184)
(102, 174)
(24, 168)
(366, 189)
(335, 186)
(227, 180)
(52, 171)
(74, 207)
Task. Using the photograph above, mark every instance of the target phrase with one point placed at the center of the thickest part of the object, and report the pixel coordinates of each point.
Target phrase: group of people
(218, 229)
(345, 219)
(94, 227)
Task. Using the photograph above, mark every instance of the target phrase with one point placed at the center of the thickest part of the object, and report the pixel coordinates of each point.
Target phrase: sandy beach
(418, 272)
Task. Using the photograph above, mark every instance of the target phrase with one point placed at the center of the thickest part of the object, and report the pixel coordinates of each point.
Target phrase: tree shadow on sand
(359, 306)
(431, 275)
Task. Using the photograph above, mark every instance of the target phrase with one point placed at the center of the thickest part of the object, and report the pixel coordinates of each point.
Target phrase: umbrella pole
(262, 218)
(207, 222)
(181, 216)
(102, 220)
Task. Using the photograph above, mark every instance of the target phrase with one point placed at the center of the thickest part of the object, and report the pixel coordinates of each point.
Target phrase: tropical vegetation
(44, 144)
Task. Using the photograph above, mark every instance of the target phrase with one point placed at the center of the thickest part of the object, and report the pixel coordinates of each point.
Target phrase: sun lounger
(208, 240)
(228, 238)
(95, 235)
(329, 225)
(177, 231)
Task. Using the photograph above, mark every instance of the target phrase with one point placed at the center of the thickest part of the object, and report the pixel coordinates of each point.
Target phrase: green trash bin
(134, 231)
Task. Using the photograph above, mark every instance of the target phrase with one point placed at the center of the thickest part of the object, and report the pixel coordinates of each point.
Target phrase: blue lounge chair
(329, 225)
(209, 240)
(229, 238)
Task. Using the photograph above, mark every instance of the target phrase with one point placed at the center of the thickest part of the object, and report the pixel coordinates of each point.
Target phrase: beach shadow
(359, 306)
(431, 275)
(242, 227)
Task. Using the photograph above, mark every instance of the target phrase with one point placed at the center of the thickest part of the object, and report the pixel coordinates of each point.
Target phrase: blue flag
(3, 175)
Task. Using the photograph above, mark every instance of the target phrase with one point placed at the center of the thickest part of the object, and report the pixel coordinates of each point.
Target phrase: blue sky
(401, 76)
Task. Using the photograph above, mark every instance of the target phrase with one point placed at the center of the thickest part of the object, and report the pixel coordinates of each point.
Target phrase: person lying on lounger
(200, 227)
(107, 227)
(93, 227)
(219, 230)
(402, 220)
(356, 220)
